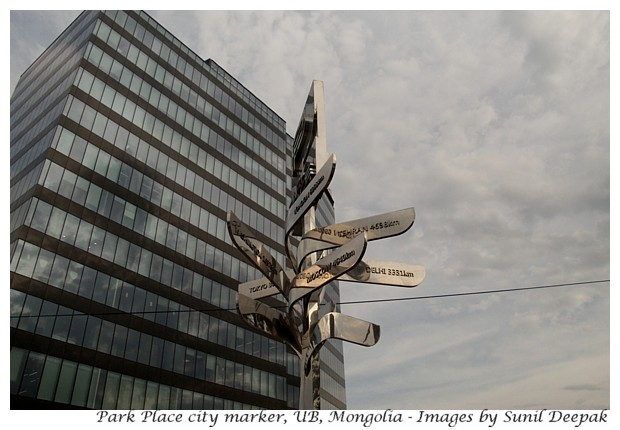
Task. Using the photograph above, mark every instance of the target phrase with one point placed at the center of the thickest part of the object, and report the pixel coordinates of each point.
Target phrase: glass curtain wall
(127, 151)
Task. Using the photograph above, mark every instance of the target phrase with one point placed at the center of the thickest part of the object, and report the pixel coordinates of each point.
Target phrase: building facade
(127, 151)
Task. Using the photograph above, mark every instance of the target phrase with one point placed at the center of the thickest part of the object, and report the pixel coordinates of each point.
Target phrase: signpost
(255, 251)
(327, 268)
(262, 287)
(308, 321)
(376, 227)
(311, 194)
(386, 273)
(305, 201)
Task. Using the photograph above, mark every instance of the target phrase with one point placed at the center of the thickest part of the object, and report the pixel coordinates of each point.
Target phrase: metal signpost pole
(309, 395)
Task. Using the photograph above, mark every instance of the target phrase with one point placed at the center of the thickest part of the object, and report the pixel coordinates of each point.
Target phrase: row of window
(93, 239)
(154, 43)
(32, 153)
(110, 131)
(232, 84)
(18, 216)
(51, 66)
(90, 156)
(66, 325)
(149, 66)
(59, 224)
(33, 262)
(35, 129)
(162, 132)
(47, 377)
(332, 386)
(38, 119)
(28, 181)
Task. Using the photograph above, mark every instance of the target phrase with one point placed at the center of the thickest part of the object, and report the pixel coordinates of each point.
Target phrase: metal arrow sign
(328, 268)
(269, 320)
(311, 193)
(334, 325)
(243, 238)
(262, 287)
(386, 273)
(376, 227)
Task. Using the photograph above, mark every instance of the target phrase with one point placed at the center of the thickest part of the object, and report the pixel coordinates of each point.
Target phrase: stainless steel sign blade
(386, 273)
(262, 287)
(269, 320)
(376, 227)
(311, 193)
(255, 251)
(328, 268)
(334, 325)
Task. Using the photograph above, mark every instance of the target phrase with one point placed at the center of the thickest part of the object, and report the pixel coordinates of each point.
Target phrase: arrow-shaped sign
(262, 287)
(311, 193)
(328, 268)
(334, 325)
(386, 273)
(255, 251)
(376, 227)
(269, 320)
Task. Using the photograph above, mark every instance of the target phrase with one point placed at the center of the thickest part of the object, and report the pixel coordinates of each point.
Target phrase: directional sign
(376, 227)
(311, 193)
(334, 325)
(269, 320)
(328, 268)
(386, 273)
(262, 287)
(255, 251)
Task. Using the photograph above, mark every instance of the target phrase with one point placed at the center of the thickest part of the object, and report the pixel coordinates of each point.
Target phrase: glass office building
(127, 151)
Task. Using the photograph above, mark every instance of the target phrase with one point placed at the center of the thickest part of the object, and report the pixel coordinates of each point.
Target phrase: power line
(355, 302)
(473, 293)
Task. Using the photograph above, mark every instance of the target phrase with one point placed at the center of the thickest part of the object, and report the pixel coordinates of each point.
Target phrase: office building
(127, 150)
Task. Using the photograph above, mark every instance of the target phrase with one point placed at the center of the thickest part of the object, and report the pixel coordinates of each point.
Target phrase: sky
(495, 127)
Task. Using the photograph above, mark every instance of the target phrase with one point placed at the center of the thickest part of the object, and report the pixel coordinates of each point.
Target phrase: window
(74, 275)
(81, 386)
(139, 394)
(49, 378)
(46, 319)
(84, 232)
(144, 350)
(91, 333)
(67, 183)
(118, 342)
(77, 330)
(27, 259)
(65, 382)
(59, 271)
(41, 215)
(32, 375)
(65, 141)
(111, 390)
(62, 324)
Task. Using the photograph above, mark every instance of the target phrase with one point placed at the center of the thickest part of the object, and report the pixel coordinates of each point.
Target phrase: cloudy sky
(495, 126)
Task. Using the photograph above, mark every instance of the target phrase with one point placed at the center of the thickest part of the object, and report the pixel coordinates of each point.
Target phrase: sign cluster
(317, 257)
(347, 243)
